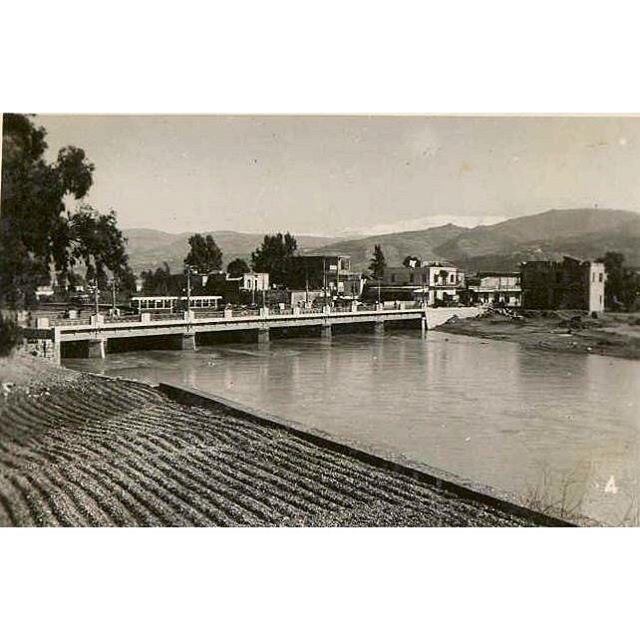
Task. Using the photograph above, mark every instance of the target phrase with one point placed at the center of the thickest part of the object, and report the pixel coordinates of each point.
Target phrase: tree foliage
(237, 268)
(411, 261)
(622, 286)
(37, 231)
(275, 257)
(95, 240)
(378, 263)
(9, 334)
(157, 282)
(204, 254)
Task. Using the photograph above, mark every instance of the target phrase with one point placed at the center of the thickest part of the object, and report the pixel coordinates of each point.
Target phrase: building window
(411, 278)
(393, 277)
(601, 277)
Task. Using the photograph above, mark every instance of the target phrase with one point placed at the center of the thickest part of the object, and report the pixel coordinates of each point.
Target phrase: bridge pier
(189, 341)
(263, 335)
(96, 348)
(378, 327)
(325, 332)
(423, 325)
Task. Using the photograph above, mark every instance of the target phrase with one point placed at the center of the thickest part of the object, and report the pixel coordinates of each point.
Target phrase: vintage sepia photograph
(319, 321)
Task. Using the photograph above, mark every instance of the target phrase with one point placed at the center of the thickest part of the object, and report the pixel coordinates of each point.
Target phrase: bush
(9, 334)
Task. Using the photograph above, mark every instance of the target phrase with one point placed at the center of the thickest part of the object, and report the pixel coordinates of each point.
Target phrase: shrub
(9, 334)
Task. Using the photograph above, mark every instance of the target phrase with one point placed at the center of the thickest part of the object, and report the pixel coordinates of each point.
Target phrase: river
(550, 428)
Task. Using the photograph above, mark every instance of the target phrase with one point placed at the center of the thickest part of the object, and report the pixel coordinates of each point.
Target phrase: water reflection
(551, 428)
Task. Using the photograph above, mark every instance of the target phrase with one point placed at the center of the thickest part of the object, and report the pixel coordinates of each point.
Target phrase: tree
(34, 233)
(237, 268)
(622, 286)
(378, 263)
(9, 334)
(95, 240)
(157, 282)
(205, 255)
(275, 257)
(411, 262)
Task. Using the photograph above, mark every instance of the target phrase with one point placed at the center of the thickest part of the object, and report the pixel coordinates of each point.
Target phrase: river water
(550, 428)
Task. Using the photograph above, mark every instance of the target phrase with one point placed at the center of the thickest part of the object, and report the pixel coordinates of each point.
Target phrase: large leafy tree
(204, 254)
(275, 257)
(95, 240)
(378, 263)
(157, 282)
(38, 230)
(237, 268)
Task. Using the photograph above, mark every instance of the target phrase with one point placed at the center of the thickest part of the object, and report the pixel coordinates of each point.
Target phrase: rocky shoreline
(84, 450)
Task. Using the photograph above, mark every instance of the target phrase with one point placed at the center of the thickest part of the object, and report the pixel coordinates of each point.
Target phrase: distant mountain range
(583, 233)
(149, 248)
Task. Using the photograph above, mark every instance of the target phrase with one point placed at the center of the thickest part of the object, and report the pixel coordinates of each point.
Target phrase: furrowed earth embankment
(85, 450)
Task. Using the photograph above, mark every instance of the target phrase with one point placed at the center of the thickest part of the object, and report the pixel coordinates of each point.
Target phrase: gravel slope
(84, 450)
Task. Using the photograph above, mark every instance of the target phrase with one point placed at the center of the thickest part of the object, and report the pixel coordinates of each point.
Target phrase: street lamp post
(188, 270)
(96, 294)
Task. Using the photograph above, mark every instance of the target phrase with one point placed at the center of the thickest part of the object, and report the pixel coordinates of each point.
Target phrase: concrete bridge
(90, 337)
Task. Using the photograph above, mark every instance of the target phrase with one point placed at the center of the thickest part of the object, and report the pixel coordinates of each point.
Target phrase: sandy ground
(611, 334)
(85, 450)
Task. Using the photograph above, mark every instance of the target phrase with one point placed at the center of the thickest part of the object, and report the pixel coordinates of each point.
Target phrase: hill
(149, 248)
(396, 246)
(583, 233)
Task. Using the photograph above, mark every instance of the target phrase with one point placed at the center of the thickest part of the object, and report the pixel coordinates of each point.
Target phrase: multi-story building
(435, 283)
(326, 272)
(495, 288)
(570, 284)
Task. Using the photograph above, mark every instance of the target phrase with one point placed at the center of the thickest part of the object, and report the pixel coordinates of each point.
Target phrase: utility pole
(96, 294)
(113, 292)
(188, 287)
(324, 279)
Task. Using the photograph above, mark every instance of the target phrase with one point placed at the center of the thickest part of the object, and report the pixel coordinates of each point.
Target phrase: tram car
(171, 304)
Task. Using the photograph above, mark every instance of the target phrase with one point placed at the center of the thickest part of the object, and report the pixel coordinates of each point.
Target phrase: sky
(343, 175)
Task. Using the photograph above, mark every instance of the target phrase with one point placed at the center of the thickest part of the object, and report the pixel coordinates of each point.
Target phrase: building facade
(501, 288)
(327, 272)
(435, 283)
(570, 284)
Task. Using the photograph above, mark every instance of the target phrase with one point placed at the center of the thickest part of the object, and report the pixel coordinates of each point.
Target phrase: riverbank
(610, 334)
(79, 449)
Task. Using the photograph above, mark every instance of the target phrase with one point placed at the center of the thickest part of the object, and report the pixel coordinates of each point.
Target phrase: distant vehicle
(173, 303)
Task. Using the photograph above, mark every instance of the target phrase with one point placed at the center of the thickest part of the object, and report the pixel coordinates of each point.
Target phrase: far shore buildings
(434, 283)
(322, 272)
(570, 284)
(502, 288)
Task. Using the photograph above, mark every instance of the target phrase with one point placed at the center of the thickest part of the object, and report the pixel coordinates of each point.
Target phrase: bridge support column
(325, 332)
(263, 335)
(188, 341)
(378, 328)
(96, 348)
(423, 326)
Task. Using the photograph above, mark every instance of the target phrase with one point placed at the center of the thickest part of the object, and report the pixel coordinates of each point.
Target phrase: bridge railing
(228, 313)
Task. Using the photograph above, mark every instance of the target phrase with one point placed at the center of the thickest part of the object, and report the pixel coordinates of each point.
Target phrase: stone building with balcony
(496, 288)
(434, 283)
